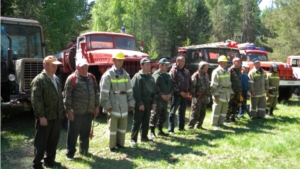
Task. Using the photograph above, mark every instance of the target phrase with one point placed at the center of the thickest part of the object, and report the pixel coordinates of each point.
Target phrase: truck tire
(285, 93)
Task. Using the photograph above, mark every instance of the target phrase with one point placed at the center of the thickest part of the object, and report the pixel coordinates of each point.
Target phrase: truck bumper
(289, 83)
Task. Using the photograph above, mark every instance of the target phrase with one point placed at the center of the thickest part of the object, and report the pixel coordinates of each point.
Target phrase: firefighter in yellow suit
(116, 98)
(258, 85)
(221, 91)
(272, 95)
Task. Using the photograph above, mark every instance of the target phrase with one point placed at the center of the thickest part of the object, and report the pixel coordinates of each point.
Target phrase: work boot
(161, 132)
(152, 133)
(271, 111)
(267, 112)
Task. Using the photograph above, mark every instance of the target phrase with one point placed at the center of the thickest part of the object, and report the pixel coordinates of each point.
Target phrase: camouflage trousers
(159, 116)
(233, 106)
(197, 115)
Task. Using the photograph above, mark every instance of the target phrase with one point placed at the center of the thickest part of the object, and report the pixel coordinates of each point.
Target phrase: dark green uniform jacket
(164, 83)
(143, 88)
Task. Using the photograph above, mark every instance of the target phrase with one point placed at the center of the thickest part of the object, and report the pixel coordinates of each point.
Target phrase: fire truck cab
(97, 48)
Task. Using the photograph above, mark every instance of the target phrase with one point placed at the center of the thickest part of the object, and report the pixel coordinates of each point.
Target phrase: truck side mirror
(83, 48)
(142, 46)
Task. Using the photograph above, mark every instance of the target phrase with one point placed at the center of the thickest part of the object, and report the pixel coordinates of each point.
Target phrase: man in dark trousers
(144, 94)
(47, 104)
(81, 101)
(181, 88)
(164, 88)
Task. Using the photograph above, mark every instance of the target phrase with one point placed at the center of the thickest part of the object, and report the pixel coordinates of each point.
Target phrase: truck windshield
(260, 56)
(26, 41)
(108, 42)
(214, 54)
(296, 62)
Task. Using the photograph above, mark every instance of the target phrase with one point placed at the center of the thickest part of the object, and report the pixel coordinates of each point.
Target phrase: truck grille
(132, 67)
(31, 69)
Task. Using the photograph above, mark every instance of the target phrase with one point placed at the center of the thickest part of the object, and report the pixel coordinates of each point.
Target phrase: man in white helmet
(116, 98)
(220, 88)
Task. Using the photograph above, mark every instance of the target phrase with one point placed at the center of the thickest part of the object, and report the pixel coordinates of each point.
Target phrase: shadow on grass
(97, 162)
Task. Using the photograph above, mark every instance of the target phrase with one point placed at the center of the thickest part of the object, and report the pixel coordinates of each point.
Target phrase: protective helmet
(118, 55)
(273, 65)
(222, 58)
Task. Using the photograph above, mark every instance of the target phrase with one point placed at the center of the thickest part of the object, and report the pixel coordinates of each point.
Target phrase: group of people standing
(147, 95)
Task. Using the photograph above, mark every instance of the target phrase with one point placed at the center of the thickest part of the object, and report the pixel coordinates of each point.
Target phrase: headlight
(11, 77)
(154, 69)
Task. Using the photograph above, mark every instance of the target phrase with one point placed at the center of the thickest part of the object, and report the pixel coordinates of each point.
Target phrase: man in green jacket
(144, 95)
(47, 104)
(81, 101)
(164, 88)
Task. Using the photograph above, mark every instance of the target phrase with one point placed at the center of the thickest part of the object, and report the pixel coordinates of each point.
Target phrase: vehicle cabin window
(101, 42)
(196, 56)
(214, 54)
(295, 62)
(124, 43)
(26, 41)
(261, 57)
(80, 40)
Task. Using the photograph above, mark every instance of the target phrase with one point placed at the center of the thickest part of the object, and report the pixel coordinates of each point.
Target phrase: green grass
(273, 142)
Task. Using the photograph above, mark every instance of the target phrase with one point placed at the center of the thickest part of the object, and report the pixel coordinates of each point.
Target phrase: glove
(194, 100)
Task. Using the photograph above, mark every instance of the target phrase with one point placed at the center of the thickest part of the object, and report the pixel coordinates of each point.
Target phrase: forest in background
(165, 25)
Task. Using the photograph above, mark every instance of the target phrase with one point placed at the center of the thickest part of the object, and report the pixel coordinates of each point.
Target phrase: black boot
(161, 132)
(267, 112)
(271, 111)
(153, 136)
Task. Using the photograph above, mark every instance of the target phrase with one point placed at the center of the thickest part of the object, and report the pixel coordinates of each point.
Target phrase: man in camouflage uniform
(236, 85)
(272, 95)
(164, 86)
(200, 96)
(117, 100)
(220, 88)
(144, 93)
(47, 104)
(181, 88)
(81, 101)
(258, 85)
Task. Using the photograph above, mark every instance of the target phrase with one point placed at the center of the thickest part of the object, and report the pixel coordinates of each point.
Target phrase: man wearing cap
(81, 101)
(144, 93)
(164, 86)
(258, 86)
(181, 88)
(236, 86)
(200, 96)
(116, 98)
(47, 104)
(220, 88)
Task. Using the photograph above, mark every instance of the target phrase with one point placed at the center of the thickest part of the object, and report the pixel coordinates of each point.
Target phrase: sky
(265, 4)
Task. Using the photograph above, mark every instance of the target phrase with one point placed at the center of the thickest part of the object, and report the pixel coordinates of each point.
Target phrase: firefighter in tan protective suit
(272, 95)
(116, 97)
(258, 85)
(221, 91)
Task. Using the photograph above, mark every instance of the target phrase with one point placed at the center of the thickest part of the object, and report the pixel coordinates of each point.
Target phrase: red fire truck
(97, 48)
(287, 83)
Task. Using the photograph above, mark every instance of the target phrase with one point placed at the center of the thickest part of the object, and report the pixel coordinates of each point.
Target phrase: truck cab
(22, 53)
(97, 48)
(294, 61)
